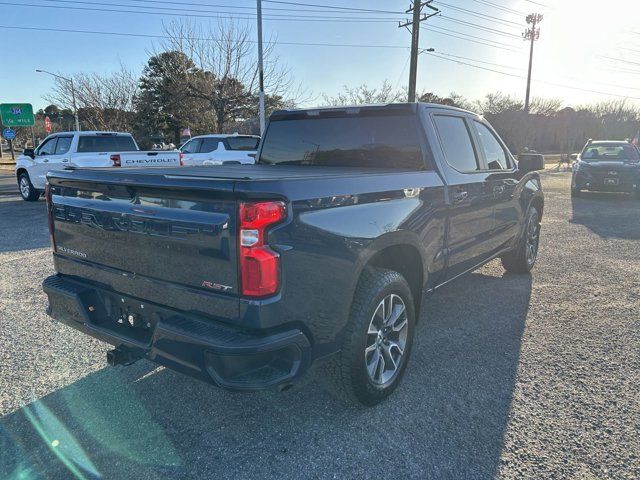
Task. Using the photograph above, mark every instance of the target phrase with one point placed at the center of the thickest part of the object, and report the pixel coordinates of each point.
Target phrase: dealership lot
(533, 376)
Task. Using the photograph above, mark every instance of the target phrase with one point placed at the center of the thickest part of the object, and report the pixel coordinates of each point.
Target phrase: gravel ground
(511, 377)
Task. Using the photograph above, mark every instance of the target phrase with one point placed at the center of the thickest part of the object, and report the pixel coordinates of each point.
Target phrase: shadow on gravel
(23, 225)
(608, 215)
(447, 420)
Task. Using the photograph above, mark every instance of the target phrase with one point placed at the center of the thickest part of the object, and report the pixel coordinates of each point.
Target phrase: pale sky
(588, 50)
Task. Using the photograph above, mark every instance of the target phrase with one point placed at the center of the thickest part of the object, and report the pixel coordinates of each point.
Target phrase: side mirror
(29, 152)
(530, 162)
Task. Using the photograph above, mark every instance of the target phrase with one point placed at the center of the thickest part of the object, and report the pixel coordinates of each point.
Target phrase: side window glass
(493, 151)
(456, 143)
(48, 147)
(63, 145)
(192, 146)
(209, 145)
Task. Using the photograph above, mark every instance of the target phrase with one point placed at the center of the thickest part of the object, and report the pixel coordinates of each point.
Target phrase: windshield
(613, 152)
(353, 141)
(113, 143)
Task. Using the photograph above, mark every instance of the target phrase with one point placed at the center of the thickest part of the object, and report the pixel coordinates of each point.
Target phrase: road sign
(9, 133)
(47, 124)
(16, 114)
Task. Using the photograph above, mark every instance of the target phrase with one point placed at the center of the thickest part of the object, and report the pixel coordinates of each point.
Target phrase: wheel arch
(400, 253)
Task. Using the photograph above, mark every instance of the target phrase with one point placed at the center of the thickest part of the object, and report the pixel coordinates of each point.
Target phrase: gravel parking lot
(511, 377)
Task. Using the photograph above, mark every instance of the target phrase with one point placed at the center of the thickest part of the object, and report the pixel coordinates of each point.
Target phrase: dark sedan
(607, 166)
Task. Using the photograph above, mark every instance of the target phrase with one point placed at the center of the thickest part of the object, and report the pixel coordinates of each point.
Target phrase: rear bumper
(200, 347)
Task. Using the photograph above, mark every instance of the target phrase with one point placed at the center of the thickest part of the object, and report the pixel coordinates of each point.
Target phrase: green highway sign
(16, 114)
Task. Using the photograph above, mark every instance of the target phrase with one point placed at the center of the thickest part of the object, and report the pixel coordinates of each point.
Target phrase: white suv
(220, 149)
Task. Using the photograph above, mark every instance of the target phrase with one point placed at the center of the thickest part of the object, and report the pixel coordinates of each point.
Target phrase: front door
(43, 155)
(503, 184)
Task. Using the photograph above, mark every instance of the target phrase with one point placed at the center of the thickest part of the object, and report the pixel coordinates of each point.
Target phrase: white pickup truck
(84, 150)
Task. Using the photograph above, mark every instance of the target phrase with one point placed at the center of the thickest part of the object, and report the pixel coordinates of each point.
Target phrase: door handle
(65, 160)
(459, 196)
(45, 160)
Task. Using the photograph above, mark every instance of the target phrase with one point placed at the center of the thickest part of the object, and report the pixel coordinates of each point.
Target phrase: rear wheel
(27, 190)
(377, 341)
(523, 258)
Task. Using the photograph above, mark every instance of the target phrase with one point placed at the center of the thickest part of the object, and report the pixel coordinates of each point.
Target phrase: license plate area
(124, 316)
(611, 181)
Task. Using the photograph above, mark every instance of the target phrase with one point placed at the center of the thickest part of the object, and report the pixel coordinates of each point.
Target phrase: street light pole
(73, 94)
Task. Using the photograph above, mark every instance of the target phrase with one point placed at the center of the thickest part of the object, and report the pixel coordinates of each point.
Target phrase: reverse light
(116, 160)
(259, 264)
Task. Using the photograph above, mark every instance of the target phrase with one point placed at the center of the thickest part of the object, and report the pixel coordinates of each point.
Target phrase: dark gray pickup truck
(247, 275)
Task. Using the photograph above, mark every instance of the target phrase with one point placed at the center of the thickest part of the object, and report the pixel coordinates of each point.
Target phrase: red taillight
(47, 196)
(180, 155)
(116, 160)
(259, 265)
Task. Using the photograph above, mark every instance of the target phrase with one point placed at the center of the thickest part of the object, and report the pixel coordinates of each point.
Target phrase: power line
(479, 27)
(143, 35)
(331, 6)
(478, 40)
(538, 81)
(226, 15)
(500, 7)
(345, 10)
(478, 14)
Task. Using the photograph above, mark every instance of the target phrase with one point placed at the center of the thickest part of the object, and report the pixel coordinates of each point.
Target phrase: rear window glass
(610, 152)
(387, 141)
(94, 143)
(242, 143)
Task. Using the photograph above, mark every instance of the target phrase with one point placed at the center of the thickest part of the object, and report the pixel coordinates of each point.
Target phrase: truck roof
(406, 106)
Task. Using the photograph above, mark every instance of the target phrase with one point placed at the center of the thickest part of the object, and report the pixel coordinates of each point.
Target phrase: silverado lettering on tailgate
(124, 222)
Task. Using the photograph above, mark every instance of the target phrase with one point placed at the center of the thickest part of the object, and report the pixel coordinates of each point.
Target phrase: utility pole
(418, 17)
(260, 69)
(532, 34)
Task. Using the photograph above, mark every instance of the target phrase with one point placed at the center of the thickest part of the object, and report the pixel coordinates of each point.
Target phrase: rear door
(503, 183)
(470, 195)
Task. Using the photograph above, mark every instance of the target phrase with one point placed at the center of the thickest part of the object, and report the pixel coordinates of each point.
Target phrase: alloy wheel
(386, 339)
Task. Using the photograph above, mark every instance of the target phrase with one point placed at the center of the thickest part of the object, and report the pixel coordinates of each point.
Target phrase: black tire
(523, 258)
(27, 191)
(346, 374)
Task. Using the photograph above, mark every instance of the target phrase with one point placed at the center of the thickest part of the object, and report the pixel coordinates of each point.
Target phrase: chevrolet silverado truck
(246, 276)
(83, 150)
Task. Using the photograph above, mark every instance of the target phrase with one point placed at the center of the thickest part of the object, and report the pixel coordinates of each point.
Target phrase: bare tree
(226, 57)
(104, 101)
(363, 94)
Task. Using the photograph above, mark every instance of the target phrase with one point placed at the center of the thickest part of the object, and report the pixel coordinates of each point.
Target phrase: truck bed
(226, 172)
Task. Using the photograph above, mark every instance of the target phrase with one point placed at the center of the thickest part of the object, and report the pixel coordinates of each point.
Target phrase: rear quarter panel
(335, 227)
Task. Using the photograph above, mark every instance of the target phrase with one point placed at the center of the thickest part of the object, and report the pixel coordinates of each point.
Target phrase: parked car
(607, 166)
(220, 149)
(320, 253)
(83, 150)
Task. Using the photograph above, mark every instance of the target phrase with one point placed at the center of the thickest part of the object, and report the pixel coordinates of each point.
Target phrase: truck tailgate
(164, 234)
(150, 159)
